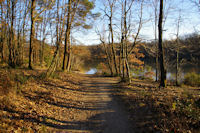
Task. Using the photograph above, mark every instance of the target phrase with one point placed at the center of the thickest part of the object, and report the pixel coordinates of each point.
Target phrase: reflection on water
(91, 71)
(171, 76)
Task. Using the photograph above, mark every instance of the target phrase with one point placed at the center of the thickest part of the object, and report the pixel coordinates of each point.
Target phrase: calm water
(170, 76)
(91, 71)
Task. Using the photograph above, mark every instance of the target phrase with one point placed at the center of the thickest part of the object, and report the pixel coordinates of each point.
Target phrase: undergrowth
(192, 79)
(172, 109)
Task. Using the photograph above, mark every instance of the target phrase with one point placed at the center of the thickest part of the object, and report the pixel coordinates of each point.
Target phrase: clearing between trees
(89, 103)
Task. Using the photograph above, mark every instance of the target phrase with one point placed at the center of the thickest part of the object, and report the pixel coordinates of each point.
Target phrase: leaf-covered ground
(37, 105)
(83, 103)
(67, 103)
(171, 109)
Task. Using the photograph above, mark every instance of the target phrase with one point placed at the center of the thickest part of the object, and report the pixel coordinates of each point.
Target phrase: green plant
(55, 75)
(21, 78)
(192, 79)
(48, 60)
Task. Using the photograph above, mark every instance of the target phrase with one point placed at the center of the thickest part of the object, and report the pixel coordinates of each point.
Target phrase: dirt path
(100, 112)
(70, 103)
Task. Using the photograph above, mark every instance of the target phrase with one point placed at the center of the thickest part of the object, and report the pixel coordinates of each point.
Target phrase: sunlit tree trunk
(69, 53)
(59, 33)
(112, 38)
(109, 59)
(67, 36)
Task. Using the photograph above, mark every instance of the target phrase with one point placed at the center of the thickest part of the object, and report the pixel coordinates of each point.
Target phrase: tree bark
(55, 60)
(2, 35)
(12, 49)
(108, 58)
(67, 36)
(69, 54)
(112, 40)
(156, 51)
(177, 67)
(32, 33)
(160, 46)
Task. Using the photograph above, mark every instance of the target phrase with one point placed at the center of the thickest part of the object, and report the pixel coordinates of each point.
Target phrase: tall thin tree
(163, 81)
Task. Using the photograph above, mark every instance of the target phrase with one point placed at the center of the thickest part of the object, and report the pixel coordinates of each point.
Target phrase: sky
(190, 21)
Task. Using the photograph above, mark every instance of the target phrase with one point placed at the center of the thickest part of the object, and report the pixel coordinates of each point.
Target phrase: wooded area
(40, 45)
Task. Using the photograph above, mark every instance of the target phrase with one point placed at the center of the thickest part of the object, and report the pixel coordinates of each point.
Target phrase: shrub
(192, 79)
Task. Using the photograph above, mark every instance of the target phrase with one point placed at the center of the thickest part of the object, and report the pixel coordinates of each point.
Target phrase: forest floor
(89, 103)
(68, 103)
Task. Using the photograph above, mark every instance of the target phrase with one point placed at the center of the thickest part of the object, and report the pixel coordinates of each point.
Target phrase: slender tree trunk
(177, 68)
(2, 35)
(177, 51)
(12, 49)
(67, 36)
(19, 46)
(120, 60)
(123, 59)
(157, 67)
(112, 42)
(1, 48)
(32, 33)
(55, 60)
(42, 52)
(23, 34)
(160, 46)
(69, 53)
(128, 71)
(2, 44)
(42, 45)
(108, 58)
(125, 48)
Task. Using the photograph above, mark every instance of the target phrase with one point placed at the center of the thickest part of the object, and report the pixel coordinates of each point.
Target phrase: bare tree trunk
(55, 60)
(12, 49)
(125, 64)
(112, 39)
(120, 60)
(67, 36)
(19, 45)
(42, 45)
(69, 53)
(128, 71)
(177, 67)
(123, 59)
(32, 33)
(160, 46)
(177, 51)
(157, 67)
(108, 58)
(2, 43)
(67, 50)
(23, 33)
